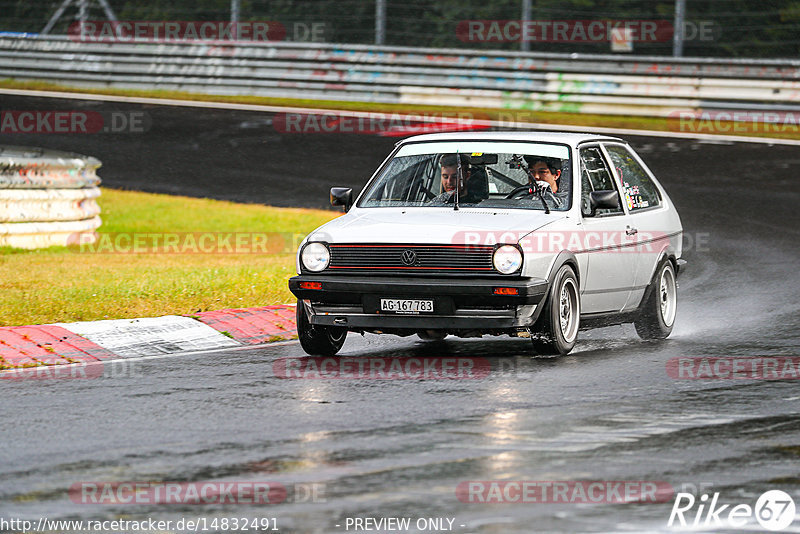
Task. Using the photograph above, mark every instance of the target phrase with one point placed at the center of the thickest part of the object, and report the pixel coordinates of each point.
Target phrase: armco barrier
(611, 84)
(47, 198)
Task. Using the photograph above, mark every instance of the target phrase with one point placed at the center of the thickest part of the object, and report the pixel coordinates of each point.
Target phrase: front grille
(412, 258)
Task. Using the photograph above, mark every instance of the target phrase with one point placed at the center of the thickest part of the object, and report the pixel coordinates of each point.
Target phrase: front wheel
(559, 321)
(318, 340)
(660, 306)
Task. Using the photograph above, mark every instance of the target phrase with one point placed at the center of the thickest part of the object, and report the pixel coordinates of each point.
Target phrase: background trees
(740, 28)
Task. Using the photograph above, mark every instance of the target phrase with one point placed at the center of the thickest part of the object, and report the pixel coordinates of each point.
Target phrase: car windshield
(474, 174)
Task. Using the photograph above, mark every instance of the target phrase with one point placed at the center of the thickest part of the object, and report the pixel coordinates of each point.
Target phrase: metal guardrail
(606, 84)
(47, 198)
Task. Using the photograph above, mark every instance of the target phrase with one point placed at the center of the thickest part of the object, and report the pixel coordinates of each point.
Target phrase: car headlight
(507, 259)
(315, 257)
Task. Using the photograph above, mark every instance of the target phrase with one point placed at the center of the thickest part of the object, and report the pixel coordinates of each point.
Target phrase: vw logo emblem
(408, 257)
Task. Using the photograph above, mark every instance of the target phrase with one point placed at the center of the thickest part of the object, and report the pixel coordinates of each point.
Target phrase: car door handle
(631, 231)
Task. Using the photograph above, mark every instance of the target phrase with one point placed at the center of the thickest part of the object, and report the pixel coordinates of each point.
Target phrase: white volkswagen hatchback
(499, 233)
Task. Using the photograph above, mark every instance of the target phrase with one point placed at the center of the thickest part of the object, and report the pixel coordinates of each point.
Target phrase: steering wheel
(526, 189)
(420, 187)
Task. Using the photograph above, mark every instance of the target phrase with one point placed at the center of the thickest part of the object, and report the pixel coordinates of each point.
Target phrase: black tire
(318, 340)
(557, 328)
(660, 306)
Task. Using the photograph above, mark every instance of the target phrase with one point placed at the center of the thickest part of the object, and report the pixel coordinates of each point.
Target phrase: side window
(638, 189)
(595, 176)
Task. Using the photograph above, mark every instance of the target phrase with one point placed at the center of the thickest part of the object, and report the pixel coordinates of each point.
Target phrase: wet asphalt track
(608, 411)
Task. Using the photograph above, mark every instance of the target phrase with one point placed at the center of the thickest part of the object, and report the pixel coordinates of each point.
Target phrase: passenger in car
(450, 165)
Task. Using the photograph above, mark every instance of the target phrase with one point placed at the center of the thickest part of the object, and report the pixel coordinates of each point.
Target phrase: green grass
(63, 284)
(506, 115)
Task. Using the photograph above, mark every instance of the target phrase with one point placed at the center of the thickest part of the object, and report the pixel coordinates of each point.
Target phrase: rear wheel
(557, 328)
(660, 306)
(318, 340)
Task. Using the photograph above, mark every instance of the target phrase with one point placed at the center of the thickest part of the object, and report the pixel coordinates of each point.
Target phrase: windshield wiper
(458, 180)
(541, 196)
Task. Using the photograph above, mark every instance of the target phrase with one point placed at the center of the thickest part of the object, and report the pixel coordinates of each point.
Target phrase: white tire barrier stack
(47, 198)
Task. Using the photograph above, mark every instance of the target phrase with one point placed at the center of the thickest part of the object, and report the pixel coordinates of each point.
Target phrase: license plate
(407, 306)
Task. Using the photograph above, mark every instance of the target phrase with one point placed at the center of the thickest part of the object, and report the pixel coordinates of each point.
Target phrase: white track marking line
(158, 356)
(420, 116)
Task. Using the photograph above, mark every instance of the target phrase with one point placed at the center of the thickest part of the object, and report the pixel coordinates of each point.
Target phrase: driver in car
(544, 170)
(450, 166)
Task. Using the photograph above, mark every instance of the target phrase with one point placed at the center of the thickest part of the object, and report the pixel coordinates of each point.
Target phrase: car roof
(568, 138)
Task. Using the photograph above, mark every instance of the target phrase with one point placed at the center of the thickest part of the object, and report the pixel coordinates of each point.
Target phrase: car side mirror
(342, 196)
(603, 200)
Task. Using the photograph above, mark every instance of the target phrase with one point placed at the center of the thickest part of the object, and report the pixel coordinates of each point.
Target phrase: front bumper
(459, 303)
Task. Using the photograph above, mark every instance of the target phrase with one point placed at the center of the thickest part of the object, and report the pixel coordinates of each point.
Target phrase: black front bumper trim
(469, 291)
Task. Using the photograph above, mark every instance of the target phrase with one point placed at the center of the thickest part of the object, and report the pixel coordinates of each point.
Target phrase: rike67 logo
(774, 510)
